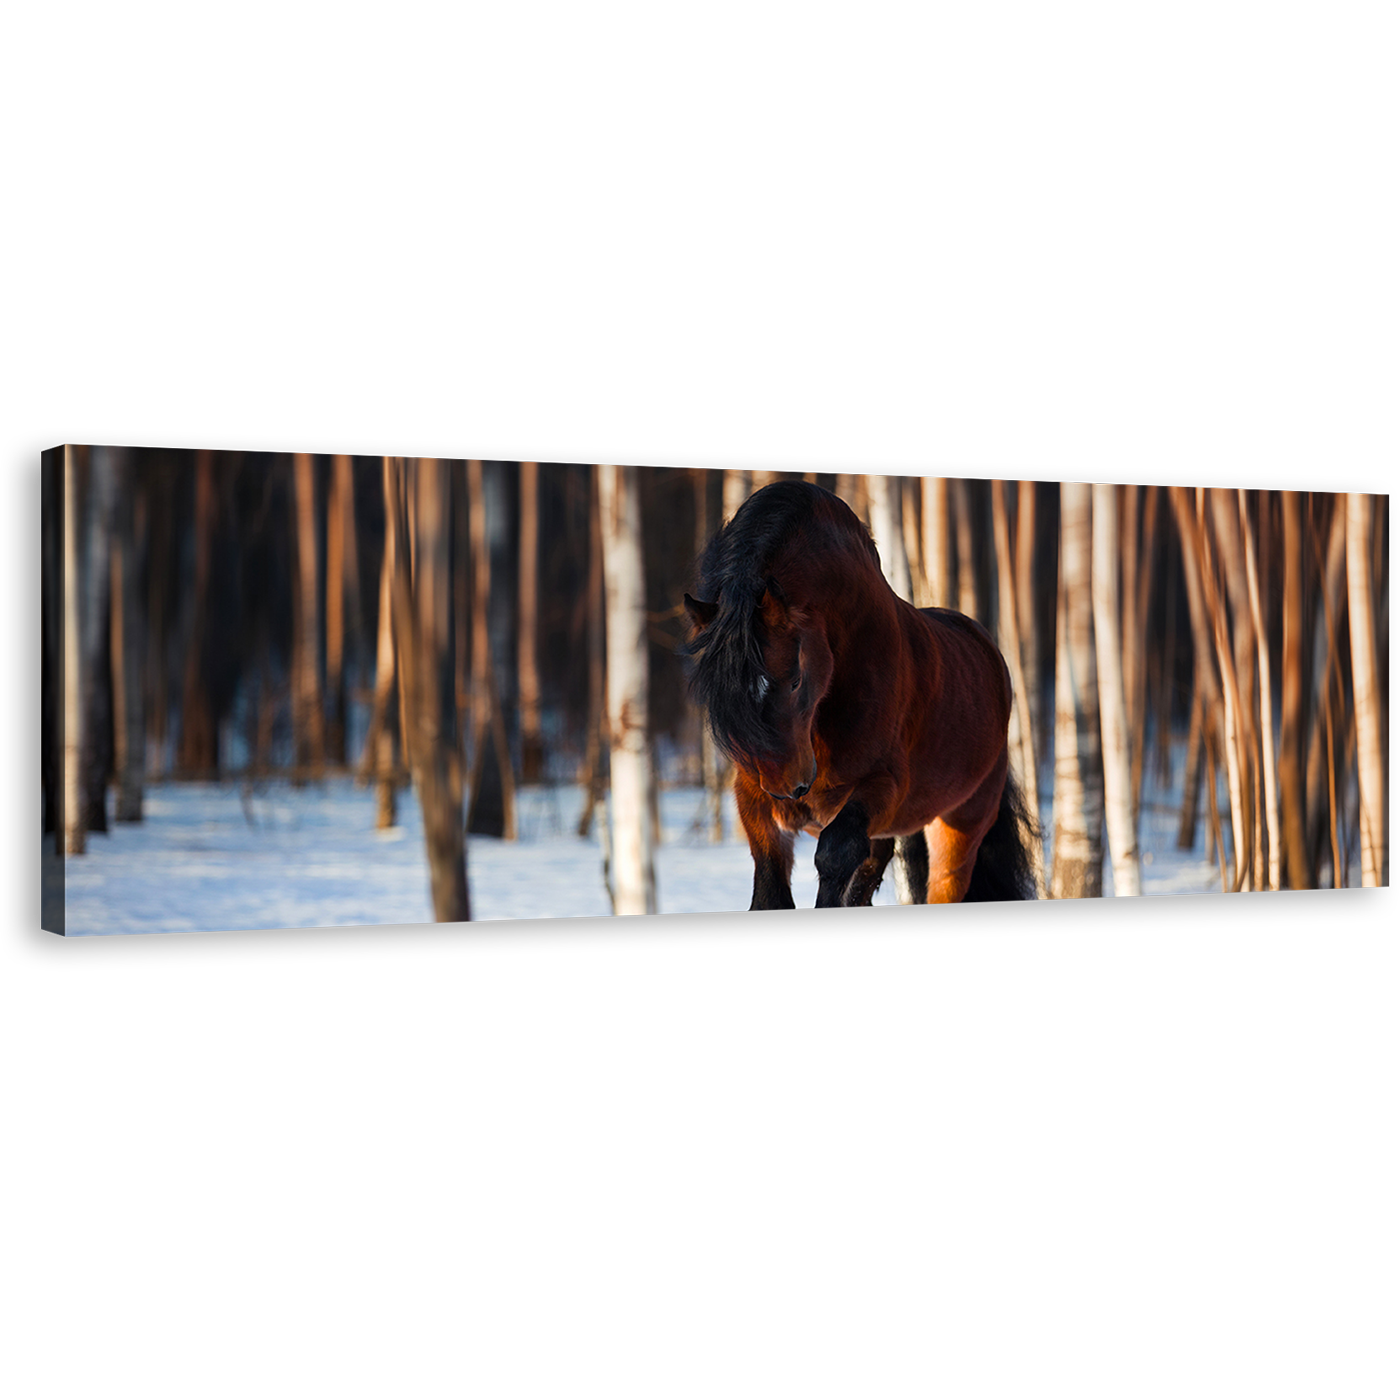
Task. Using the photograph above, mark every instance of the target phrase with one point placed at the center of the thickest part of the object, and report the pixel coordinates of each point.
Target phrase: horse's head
(762, 694)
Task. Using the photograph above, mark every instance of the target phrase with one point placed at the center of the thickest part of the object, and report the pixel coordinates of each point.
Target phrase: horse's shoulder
(941, 619)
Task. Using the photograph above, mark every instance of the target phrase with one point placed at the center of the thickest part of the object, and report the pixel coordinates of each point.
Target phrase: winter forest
(284, 690)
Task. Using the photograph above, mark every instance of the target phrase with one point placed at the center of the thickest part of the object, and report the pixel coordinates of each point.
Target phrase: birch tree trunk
(1370, 758)
(1077, 870)
(968, 601)
(418, 501)
(888, 530)
(1021, 735)
(736, 492)
(1266, 698)
(73, 834)
(936, 541)
(634, 878)
(1113, 707)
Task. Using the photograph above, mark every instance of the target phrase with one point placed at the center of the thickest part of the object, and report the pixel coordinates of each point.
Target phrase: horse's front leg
(870, 872)
(770, 845)
(843, 848)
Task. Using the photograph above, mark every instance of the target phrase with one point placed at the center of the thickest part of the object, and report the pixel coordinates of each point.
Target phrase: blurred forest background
(463, 630)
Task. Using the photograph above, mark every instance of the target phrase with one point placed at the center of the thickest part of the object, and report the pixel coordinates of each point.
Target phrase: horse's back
(966, 647)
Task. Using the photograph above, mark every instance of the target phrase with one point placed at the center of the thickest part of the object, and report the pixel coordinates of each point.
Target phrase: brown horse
(851, 714)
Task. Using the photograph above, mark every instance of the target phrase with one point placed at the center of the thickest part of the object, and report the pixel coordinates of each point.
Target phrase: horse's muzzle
(799, 792)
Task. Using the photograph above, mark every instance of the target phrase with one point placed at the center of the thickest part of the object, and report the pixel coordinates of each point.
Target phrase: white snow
(219, 856)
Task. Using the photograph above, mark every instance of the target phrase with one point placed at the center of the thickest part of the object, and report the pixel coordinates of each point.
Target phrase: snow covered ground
(210, 856)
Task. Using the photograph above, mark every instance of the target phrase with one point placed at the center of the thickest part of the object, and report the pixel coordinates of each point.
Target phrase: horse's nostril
(803, 790)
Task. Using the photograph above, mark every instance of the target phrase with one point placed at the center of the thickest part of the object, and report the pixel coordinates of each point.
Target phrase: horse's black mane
(726, 659)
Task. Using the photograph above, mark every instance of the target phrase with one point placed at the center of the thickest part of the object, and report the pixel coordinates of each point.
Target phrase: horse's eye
(797, 684)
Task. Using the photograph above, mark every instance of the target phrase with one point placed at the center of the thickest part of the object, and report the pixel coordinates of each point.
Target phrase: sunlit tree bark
(419, 505)
(308, 718)
(378, 760)
(937, 565)
(1326, 690)
(1290, 774)
(1231, 730)
(737, 488)
(1113, 708)
(634, 878)
(1366, 690)
(1266, 699)
(1077, 869)
(1205, 678)
(968, 599)
(887, 528)
(1021, 737)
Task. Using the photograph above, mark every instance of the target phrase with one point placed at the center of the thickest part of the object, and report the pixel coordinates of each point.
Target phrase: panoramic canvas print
(296, 690)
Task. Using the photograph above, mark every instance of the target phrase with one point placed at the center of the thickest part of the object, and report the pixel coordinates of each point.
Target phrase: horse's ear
(701, 614)
(772, 608)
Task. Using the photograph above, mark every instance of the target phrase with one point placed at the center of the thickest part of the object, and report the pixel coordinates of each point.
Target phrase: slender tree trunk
(418, 500)
(308, 716)
(888, 530)
(595, 761)
(711, 767)
(1366, 690)
(1027, 615)
(909, 511)
(73, 833)
(1266, 697)
(527, 644)
(378, 759)
(1113, 706)
(1137, 595)
(937, 565)
(199, 732)
(491, 809)
(1077, 870)
(968, 600)
(1021, 738)
(1241, 828)
(736, 491)
(104, 464)
(634, 877)
(51, 659)
(129, 645)
(1290, 774)
(1325, 745)
(340, 534)
(1202, 653)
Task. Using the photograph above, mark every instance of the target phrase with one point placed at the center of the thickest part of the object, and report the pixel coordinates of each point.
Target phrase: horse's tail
(1006, 864)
